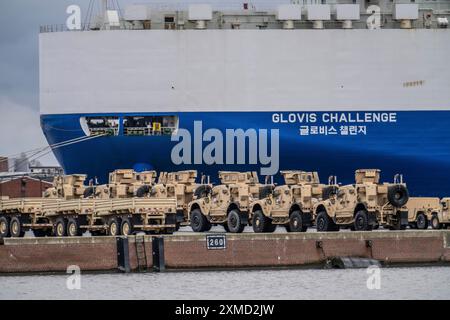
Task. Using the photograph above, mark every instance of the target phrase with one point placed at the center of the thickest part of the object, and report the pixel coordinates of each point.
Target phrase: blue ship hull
(416, 144)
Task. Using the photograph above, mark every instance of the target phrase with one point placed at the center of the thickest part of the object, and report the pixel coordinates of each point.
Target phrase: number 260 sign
(216, 242)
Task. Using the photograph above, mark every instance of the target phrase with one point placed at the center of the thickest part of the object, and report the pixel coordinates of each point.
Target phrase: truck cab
(441, 219)
(229, 203)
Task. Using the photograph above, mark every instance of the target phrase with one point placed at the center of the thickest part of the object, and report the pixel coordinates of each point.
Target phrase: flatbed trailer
(60, 217)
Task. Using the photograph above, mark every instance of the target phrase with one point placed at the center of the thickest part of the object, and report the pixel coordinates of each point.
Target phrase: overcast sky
(19, 64)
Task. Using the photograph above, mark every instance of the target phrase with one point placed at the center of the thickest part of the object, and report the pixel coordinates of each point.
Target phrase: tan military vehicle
(67, 187)
(441, 219)
(365, 205)
(229, 203)
(124, 183)
(420, 211)
(291, 204)
(181, 185)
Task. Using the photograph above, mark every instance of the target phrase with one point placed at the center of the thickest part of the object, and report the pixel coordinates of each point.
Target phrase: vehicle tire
(16, 228)
(208, 226)
(126, 228)
(259, 222)
(60, 229)
(199, 223)
(113, 227)
(234, 222)
(296, 222)
(73, 228)
(4, 227)
(435, 224)
(270, 227)
(225, 226)
(323, 222)
(398, 195)
(421, 221)
(361, 221)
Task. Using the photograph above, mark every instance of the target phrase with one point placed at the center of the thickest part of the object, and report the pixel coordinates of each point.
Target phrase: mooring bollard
(158, 254)
(123, 254)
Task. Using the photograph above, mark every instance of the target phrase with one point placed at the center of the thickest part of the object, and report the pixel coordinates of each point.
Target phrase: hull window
(100, 125)
(149, 125)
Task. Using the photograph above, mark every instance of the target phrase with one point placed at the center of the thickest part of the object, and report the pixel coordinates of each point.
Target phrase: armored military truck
(228, 204)
(441, 218)
(365, 205)
(181, 185)
(421, 210)
(123, 183)
(67, 187)
(291, 204)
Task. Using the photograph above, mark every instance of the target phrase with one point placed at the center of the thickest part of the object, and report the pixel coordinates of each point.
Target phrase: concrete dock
(247, 250)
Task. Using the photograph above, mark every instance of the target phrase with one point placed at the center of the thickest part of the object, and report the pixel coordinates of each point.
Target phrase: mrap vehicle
(365, 205)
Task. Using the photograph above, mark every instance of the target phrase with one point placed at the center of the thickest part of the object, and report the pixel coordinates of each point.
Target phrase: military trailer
(291, 204)
(441, 219)
(66, 211)
(228, 204)
(365, 205)
(421, 210)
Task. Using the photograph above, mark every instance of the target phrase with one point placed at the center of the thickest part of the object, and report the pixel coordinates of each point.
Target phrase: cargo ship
(328, 87)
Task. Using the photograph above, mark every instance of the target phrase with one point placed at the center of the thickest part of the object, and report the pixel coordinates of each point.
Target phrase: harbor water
(395, 283)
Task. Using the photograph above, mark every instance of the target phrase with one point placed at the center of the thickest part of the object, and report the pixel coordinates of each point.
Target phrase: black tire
(126, 227)
(225, 226)
(270, 227)
(15, 228)
(142, 191)
(323, 222)
(199, 223)
(4, 227)
(398, 195)
(435, 224)
(113, 227)
(259, 222)
(73, 228)
(421, 221)
(88, 192)
(208, 226)
(234, 222)
(60, 228)
(296, 222)
(361, 221)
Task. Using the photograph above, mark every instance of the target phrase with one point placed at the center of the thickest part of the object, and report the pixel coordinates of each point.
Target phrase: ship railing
(148, 131)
